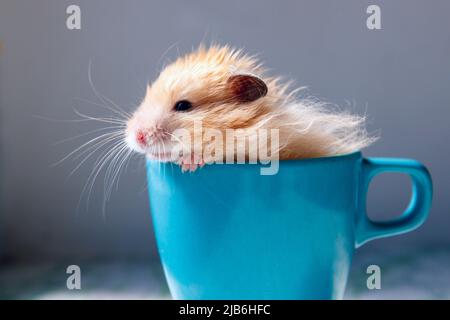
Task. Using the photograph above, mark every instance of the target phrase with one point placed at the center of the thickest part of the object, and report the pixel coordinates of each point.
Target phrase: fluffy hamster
(224, 88)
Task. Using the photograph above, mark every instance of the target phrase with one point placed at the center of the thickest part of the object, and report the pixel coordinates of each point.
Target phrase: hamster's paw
(190, 163)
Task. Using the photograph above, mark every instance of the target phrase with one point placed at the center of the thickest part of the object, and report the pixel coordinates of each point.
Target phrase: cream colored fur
(308, 128)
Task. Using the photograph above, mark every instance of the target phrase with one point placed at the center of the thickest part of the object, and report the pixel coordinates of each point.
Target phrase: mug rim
(355, 154)
(344, 156)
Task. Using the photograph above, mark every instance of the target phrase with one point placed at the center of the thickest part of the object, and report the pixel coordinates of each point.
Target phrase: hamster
(222, 88)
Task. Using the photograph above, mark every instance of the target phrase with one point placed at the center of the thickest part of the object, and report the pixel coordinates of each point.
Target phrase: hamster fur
(227, 89)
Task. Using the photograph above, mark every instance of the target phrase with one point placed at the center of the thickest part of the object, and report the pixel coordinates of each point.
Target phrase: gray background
(398, 75)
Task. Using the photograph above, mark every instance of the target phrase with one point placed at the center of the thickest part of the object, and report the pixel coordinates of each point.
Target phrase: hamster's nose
(141, 137)
(149, 136)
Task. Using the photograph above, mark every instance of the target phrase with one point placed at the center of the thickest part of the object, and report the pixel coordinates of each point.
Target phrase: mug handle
(417, 210)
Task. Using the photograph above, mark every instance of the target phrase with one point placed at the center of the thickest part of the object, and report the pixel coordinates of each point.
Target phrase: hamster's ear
(246, 88)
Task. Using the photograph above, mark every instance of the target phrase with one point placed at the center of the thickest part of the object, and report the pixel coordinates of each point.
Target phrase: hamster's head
(218, 87)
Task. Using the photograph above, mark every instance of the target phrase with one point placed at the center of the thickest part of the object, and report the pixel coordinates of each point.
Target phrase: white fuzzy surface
(420, 275)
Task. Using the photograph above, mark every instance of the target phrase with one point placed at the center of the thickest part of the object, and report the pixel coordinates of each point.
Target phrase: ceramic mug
(227, 232)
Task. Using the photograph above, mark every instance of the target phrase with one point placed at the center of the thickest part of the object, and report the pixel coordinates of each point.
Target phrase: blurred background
(398, 76)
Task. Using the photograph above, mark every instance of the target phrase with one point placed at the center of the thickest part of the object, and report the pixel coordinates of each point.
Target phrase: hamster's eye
(182, 105)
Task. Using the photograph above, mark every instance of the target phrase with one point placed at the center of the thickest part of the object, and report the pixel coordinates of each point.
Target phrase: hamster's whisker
(164, 152)
(106, 156)
(175, 44)
(85, 145)
(86, 134)
(121, 157)
(121, 169)
(121, 115)
(163, 145)
(109, 144)
(159, 162)
(110, 169)
(129, 160)
(98, 146)
(105, 99)
(102, 157)
(114, 174)
(106, 120)
(71, 120)
(176, 138)
(124, 166)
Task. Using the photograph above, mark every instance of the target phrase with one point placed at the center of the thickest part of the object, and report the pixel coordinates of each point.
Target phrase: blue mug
(227, 232)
